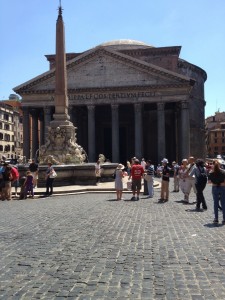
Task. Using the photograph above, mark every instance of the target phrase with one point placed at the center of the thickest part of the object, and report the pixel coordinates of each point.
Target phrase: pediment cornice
(162, 87)
(89, 55)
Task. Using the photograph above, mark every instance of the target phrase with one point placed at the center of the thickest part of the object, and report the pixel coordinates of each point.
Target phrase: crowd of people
(191, 174)
(10, 177)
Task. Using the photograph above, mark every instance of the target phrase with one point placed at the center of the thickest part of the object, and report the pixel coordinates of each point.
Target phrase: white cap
(165, 161)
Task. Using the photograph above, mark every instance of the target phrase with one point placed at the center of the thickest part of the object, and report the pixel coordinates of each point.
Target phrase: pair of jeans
(49, 186)
(150, 187)
(200, 197)
(218, 193)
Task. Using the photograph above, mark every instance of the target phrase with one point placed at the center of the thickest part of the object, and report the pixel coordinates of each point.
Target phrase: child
(29, 184)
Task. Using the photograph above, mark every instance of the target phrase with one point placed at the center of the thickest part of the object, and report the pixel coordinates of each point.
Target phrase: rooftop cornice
(185, 64)
(174, 50)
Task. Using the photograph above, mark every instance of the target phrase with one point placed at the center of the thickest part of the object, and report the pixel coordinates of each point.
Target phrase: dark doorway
(107, 143)
(123, 145)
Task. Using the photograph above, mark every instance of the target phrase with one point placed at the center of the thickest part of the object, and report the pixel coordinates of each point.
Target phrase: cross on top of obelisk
(60, 8)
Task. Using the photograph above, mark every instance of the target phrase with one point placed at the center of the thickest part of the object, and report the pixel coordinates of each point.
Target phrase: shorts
(35, 175)
(136, 184)
(16, 183)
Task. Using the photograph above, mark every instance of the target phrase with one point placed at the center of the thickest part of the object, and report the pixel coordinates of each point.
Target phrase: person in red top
(15, 178)
(137, 173)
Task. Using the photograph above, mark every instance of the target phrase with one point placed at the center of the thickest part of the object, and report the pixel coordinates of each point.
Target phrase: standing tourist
(183, 179)
(6, 186)
(217, 177)
(143, 163)
(50, 175)
(137, 173)
(149, 178)
(199, 172)
(175, 176)
(15, 178)
(98, 171)
(119, 181)
(191, 178)
(29, 185)
(165, 181)
(33, 167)
(1, 178)
(128, 168)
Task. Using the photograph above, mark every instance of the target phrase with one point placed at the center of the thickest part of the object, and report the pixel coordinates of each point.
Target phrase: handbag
(53, 175)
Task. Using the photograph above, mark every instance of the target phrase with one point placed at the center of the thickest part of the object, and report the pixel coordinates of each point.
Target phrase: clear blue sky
(27, 30)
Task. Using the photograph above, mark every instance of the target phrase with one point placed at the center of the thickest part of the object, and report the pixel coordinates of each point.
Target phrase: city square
(89, 246)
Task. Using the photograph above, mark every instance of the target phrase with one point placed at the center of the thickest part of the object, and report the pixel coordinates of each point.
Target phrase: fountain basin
(80, 174)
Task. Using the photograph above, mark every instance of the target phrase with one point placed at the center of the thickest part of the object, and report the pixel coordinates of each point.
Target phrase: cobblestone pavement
(90, 246)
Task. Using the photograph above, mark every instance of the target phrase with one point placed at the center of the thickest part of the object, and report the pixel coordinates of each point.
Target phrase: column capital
(91, 107)
(184, 105)
(114, 105)
(160, 105)
(47, 109)
(138, 107)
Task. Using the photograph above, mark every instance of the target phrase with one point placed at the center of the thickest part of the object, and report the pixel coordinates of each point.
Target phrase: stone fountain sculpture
(61, 149)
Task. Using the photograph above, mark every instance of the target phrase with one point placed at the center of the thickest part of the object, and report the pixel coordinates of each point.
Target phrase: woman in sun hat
(118, 181)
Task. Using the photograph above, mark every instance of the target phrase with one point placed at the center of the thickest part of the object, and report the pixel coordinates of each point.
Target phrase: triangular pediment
(103, 68)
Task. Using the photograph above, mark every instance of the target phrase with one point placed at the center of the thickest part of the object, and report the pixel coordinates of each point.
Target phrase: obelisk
(60, 146)
(61, 116)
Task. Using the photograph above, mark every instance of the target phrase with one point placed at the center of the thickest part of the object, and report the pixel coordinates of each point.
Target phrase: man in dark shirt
(33, 167)
(165, 181)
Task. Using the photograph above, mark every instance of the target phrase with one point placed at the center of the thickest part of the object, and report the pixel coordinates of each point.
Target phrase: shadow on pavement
(194, 210)
(213, 225)
(113, 200)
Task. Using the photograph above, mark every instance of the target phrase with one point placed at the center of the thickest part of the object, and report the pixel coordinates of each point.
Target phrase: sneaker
(215, 221)
(133, 198)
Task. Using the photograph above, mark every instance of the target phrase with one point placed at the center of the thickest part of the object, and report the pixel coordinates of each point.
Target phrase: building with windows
(11, 129)
(215, 135)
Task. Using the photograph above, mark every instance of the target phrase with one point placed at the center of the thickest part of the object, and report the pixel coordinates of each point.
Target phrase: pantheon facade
(126, 99)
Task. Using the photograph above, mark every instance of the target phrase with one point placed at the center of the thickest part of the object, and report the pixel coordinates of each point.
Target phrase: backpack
(202, 177)
(217, 179)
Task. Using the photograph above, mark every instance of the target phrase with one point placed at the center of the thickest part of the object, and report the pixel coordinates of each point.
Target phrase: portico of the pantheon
(127, 99)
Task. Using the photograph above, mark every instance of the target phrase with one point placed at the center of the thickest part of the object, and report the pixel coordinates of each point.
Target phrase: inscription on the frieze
(111, 95)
